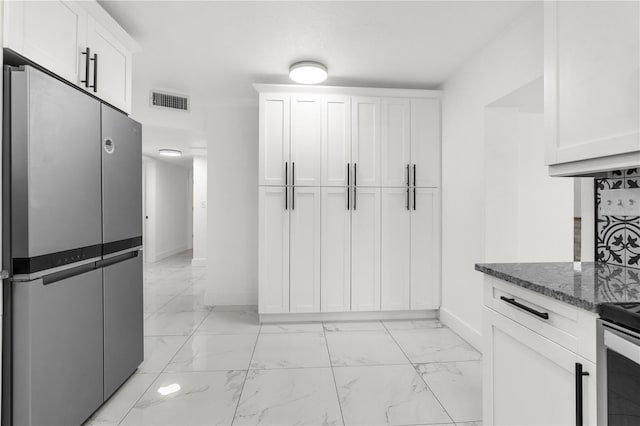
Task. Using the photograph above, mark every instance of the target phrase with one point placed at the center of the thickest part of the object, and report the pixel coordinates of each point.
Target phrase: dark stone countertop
(582, 284)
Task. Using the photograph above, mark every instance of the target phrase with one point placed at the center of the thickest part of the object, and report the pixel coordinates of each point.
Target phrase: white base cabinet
(529, 378)
(338, 174)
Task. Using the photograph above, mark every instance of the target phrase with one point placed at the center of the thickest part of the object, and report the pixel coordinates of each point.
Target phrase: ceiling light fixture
(170, 152)
(308, 72)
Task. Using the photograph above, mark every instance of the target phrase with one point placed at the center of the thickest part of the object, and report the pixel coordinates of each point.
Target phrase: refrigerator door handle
(117, 259)
(68, 273)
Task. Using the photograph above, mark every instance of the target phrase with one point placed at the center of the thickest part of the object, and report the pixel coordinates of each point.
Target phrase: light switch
(620, 202)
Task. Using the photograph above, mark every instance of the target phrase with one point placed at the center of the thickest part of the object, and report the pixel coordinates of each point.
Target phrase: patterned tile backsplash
(617, 237)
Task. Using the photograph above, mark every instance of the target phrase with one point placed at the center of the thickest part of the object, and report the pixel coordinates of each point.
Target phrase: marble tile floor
(219, 366)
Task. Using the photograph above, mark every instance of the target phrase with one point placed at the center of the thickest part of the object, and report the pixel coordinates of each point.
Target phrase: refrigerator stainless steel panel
(58, 350)
(55, 147)
(121, 176)
(123, 316)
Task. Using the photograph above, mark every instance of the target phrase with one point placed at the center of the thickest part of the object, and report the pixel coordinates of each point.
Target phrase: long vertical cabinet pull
(87, 54)
(348, 188)
(293, 186)
(414, 187)
(408, 186)
(414, 175)
(579, 377)
(286, 185)
(95, 72)
(355, 184)
(408, 177)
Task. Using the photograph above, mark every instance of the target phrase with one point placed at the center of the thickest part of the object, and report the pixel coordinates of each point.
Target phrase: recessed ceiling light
(170, 152)
(308, 72)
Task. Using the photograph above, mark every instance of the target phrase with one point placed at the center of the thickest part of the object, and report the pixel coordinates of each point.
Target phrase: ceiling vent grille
(169, 100)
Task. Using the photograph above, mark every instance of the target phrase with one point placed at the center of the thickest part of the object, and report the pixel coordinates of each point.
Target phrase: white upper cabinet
(365, 141)
(592, 102)
(76, 40)
(336, 140)
(396, 142)
(111, 78)
(306, 129)
(274, 139)
(425, 143)
(49, 33)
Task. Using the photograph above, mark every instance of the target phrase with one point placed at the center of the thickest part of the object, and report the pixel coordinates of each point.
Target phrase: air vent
(169, 100)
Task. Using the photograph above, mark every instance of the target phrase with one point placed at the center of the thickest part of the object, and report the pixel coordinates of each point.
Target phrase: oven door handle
(622, 346)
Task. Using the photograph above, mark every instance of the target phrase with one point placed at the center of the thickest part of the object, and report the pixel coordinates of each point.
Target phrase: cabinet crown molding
(344, 90)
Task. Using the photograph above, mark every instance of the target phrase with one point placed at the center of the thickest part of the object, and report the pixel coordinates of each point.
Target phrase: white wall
(199, 211)
(232, 176)
(528, 215)
(168, 208)
(509, 62)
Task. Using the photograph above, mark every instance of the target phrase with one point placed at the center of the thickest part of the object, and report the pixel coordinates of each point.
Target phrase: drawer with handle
(558, 321)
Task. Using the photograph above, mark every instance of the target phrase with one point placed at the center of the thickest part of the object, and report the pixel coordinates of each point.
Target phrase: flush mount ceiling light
(170, 152)
(308, 72)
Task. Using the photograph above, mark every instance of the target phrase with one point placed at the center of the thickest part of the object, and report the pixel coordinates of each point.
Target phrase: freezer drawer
(55, 172)
(121, 180)
(57, 350)
(123, 314)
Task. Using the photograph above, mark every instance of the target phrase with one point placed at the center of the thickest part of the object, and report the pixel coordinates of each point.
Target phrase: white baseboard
(199, 262)
(455, 323)
(346, 316)
(167, 253)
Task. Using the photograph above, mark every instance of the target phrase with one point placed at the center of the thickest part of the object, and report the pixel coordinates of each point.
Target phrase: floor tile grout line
(419, 375)
(246, 376)
(333, 374)
(140, 397)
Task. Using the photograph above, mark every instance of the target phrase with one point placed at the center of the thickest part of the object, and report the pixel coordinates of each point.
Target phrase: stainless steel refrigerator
(72, 235)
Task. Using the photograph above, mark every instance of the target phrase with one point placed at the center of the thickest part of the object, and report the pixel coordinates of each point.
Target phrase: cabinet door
(365, 141)
(425, 248)
(425, 142)
(592, 102)
(50, 33)
(396, 141)
(365, 249)
(335, 276)
(273, 248)
(306, 129)
(274, 139)
(336, 140)
(528, 379)
(395, 258)
(304, 255)
(112, 74)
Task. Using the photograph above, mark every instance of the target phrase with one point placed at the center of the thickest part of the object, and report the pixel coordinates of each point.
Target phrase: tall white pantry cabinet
(349, 200)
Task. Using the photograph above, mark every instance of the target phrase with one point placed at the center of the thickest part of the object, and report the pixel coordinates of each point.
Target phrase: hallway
(206, 366)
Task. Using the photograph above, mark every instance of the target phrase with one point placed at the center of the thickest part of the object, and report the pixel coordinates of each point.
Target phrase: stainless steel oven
(618, 366)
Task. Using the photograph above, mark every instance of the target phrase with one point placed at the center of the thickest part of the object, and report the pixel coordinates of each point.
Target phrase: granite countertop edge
(538, 288)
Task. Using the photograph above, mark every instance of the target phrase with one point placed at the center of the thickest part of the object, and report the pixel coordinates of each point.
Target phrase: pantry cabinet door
(306, 130)
(50, 33)
(365, 249)
(425, 143)
(396, 141)
(425, 244)
(273, 251)
(395, 263)
(336, 140)
(365, 141)
(112, 78)
(304, 253)
(335, 276)
(274, 167)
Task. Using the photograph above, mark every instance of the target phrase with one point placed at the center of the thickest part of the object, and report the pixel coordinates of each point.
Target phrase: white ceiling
(216, 50)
